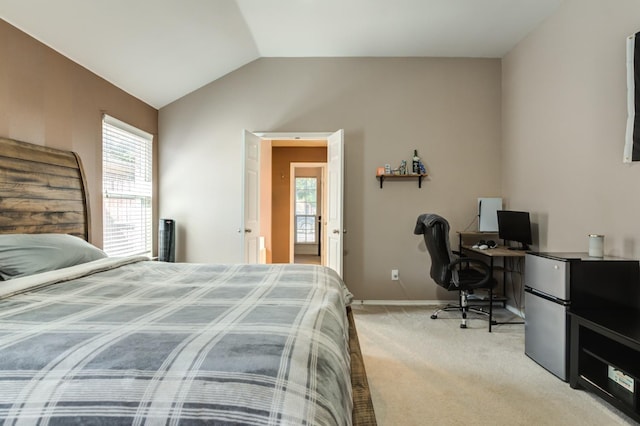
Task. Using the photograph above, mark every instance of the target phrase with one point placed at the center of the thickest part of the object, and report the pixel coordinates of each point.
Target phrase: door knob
(336, 231)
(247, 230)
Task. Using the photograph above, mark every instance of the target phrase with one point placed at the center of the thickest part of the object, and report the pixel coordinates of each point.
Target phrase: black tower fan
(167, 240)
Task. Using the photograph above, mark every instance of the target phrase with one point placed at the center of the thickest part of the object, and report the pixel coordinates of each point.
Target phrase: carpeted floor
(431, 372)
(308, 259)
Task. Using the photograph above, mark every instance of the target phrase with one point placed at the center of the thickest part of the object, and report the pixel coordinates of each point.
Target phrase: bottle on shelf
(423, 169)
(416, 162)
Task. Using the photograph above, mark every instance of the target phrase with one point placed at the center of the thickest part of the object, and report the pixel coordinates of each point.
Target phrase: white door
(334, 223)
(251, 208)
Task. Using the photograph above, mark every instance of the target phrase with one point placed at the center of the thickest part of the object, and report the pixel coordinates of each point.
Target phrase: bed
(89, 339)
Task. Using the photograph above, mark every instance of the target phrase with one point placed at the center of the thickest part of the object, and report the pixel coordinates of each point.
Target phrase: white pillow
(28, 254)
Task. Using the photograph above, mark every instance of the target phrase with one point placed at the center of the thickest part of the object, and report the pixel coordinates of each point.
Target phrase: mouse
(483, 247)
(478, 244)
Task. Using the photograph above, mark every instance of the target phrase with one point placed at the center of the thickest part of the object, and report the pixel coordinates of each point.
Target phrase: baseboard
(403, 302)
(510, 308)
(515, 311)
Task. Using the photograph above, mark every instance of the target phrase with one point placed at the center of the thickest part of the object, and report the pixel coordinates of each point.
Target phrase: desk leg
(490, 309)
(504, 292)
(491, 296)
(504, 282)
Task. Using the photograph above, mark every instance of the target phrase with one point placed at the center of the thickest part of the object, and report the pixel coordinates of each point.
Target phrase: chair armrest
(484, 268)
(483, 265)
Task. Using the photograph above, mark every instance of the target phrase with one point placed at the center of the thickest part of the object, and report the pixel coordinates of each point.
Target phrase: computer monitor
(515, 226)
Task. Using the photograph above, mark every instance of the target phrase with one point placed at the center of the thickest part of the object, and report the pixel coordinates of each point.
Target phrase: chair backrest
(435, 230)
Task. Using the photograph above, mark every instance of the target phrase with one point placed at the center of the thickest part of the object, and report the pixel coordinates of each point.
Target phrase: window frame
(127, 189)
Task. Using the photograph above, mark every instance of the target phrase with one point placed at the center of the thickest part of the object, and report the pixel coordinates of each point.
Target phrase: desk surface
(476, 233)
(500, 251)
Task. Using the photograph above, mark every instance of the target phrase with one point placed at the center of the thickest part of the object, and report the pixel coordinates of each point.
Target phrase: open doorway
(289, 161)
(307, 201)
(266, 208)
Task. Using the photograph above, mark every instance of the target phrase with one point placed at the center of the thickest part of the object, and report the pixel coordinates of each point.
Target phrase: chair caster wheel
(434, 316)
(463, 325)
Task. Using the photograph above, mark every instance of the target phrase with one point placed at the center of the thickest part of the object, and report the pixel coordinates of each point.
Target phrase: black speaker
(167, 240)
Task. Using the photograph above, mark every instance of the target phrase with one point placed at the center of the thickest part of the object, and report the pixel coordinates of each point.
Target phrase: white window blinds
(127, 188)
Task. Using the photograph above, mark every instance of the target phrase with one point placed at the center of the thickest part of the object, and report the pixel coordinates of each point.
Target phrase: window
(306, 207)
(127, 190)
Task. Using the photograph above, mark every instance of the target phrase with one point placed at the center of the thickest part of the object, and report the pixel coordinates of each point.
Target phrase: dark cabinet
(605, 340)
(605, 355)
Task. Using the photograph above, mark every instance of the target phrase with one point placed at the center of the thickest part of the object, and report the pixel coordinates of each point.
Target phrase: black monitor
(515, 226)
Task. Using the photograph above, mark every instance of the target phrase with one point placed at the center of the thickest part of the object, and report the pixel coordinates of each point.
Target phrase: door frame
(301, 137)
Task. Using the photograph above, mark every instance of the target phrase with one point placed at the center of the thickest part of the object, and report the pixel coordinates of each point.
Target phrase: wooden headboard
(42, 190)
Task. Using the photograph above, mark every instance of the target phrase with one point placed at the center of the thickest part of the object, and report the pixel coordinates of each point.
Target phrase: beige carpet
(308, 259)
(431, 372)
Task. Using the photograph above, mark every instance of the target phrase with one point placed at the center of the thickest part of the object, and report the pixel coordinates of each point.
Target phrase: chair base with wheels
(464, 307)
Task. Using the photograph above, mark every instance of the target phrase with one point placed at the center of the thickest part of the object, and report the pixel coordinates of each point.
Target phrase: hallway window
(306, 207)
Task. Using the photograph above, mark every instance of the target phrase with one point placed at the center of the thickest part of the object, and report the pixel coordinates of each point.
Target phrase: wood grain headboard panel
(42, 190)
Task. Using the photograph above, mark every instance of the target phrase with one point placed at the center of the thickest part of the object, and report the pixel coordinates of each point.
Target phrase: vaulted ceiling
(161, 50)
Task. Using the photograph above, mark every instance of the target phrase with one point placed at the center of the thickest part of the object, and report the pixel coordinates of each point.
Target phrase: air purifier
(167, 240)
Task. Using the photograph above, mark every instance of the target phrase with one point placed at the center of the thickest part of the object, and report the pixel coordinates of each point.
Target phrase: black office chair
(451, 270)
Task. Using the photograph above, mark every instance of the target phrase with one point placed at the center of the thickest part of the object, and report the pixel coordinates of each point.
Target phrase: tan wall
(281, 194)
(564, 103)
(49, 100)
(448, 109)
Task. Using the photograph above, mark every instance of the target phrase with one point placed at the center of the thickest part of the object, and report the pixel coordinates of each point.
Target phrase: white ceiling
(160, 50)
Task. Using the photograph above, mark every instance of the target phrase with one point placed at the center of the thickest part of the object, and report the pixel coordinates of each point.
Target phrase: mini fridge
(558, 282)
(546, 301)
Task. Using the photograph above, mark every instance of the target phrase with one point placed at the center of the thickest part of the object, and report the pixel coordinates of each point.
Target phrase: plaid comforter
(141, 342)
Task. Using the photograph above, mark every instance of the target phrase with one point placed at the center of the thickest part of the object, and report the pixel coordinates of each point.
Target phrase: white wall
(448, 109)
(564, 117)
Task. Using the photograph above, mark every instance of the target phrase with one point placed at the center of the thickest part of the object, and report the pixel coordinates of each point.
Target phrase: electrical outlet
(394, 275)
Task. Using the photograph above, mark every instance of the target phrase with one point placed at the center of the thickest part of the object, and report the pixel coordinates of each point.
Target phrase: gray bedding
(163, 343)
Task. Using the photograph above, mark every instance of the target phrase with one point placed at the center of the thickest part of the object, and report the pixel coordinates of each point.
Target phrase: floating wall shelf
(382, 178)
